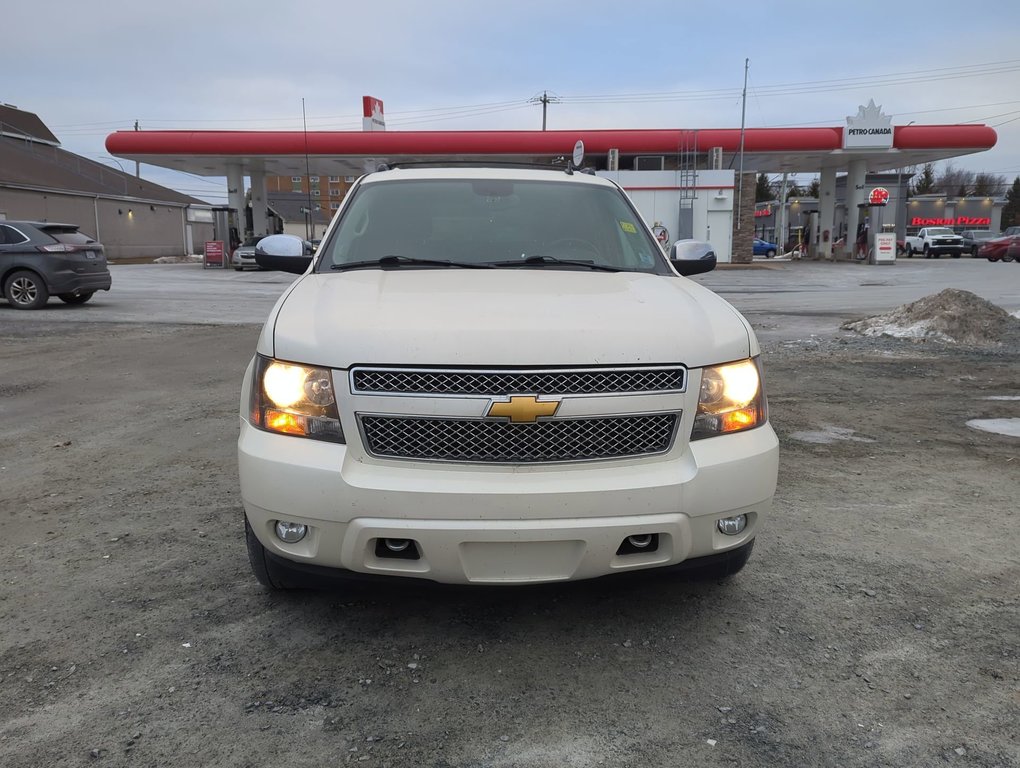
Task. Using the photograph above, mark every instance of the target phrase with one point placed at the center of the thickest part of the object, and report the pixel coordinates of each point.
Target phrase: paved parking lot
(780, 298)
(877, 623)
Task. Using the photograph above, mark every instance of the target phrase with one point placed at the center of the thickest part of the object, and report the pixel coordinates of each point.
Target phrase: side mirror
(692, 257)
(284, 253)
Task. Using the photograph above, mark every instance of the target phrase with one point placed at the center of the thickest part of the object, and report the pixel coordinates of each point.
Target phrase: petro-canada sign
(868, 129)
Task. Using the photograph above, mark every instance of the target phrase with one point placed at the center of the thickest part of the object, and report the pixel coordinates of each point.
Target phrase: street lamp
(110, 157)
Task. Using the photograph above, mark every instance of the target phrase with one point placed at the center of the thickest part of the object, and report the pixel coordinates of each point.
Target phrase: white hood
(493, 318)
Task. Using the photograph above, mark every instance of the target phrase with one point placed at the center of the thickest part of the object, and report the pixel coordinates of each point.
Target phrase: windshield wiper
(541, 261)
(399, 261)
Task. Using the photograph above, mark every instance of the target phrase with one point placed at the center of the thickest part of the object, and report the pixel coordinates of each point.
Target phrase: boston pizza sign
(959, 221)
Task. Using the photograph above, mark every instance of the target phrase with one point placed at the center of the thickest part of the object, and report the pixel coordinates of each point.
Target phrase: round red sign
(879, 196)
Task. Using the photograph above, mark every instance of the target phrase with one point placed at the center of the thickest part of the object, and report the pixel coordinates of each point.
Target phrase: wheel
(770, 253)
(269, 572)
(72, 298)
(26, 290)
(926, 251)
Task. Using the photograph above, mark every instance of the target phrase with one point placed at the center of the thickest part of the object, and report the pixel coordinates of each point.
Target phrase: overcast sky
(88, 68)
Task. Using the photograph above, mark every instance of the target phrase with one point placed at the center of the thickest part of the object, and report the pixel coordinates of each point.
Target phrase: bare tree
(954, 181)
(989, 185)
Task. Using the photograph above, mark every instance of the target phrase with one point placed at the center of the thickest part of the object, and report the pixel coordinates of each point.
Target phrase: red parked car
(1005, 248)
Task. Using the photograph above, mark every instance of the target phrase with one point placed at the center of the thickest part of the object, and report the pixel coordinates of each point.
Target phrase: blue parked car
(766, 249)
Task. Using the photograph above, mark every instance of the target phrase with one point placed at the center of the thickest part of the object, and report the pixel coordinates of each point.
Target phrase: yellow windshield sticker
(626, 226)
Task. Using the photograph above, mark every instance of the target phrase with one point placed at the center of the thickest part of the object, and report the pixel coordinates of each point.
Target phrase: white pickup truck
(933, 242)
(494, 376)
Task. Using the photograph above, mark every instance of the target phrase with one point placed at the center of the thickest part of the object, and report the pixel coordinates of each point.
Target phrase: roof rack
(464, 164)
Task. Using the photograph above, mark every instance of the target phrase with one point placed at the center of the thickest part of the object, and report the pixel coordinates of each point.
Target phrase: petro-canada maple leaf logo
(870, 114)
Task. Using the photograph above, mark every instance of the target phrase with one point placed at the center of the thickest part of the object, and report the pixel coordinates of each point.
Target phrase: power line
(809, 86)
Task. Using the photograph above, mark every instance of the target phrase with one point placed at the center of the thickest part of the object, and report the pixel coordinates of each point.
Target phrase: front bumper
(504, 524)
(243, 259)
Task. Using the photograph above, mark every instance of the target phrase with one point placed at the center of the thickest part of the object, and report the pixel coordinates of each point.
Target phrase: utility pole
(310, 227)
(545, 100)
(740, 172)
(138, 167)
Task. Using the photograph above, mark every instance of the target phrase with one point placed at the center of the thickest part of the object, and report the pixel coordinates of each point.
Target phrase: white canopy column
(854, 197)
(235, 194)
(259, 219)
(826, 213)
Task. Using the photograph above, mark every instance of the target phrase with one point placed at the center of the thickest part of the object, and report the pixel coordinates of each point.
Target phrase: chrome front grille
(503, 442)
(579, 381)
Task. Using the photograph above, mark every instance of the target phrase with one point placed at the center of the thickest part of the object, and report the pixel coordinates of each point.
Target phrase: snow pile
(952, 317)
(1008, 427)
(191, 258)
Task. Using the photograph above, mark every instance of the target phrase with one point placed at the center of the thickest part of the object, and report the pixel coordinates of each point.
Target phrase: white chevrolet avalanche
(498, 377)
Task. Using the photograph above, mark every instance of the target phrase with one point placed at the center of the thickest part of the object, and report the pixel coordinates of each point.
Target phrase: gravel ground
(877, 623)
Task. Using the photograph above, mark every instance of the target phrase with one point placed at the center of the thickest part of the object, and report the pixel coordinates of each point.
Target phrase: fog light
(731, 526)
(291, 533)
(397, 545)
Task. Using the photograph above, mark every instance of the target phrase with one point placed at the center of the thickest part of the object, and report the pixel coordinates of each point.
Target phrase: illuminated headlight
(732, 399)
(295, 400)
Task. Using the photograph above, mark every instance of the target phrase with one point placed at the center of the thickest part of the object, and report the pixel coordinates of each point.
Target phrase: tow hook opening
(397, 549)
(639, 543)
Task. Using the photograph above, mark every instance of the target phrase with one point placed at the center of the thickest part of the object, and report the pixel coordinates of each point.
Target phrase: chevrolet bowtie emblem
(523, 409)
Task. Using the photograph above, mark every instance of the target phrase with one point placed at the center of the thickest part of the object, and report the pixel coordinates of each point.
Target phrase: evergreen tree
(764, 190)
(925, 183)
(1011, 210)
(815, 189)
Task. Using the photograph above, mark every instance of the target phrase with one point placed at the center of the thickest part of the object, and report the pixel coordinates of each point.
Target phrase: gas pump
(812, 234)
(225, 234)
(881, 246)
(225, 227)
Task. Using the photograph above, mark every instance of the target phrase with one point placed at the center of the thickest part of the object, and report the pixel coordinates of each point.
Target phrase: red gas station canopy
(802, 150)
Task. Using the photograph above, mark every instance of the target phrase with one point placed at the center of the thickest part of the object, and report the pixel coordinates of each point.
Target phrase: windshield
(506, 223)
(940, 231)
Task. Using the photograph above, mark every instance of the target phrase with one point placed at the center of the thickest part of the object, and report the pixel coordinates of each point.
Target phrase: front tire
(73, 298)
(26, 290)
(770, 253)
